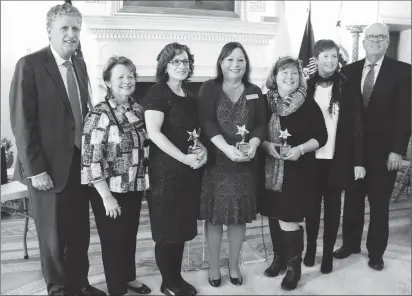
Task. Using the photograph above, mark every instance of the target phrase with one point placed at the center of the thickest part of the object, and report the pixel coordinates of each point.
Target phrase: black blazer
(41, 117)
(209, 94)
(387, 119)
(348, 142)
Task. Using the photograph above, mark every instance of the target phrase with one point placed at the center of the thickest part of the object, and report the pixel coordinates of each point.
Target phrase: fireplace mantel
(140, 37)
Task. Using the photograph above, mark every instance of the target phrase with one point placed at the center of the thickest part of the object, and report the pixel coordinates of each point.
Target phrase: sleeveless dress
(228, 193)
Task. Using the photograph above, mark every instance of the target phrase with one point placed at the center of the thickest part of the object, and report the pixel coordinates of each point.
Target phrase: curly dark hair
(225, 52)
(166, 55)
(114, 61)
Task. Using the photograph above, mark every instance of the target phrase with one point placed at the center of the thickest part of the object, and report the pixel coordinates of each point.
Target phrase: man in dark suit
(48, 102)
(385, 85)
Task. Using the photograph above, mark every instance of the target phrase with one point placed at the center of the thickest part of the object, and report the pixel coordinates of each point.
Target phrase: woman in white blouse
(340, 160)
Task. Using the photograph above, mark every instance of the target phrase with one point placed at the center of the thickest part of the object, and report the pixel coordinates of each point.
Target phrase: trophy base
(243, 147)
(284, 149)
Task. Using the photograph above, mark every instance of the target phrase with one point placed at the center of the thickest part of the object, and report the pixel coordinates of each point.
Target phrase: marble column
(355, 31)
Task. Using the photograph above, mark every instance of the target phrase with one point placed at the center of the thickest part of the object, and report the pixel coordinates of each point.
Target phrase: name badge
(252, 97)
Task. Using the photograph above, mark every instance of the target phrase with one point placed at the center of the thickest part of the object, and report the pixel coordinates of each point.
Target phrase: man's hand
(42, 182)
(394, 161)
(359, 172)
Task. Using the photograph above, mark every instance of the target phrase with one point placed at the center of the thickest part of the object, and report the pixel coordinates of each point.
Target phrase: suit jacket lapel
(384, 76)
(54, 72)
(82, 80)
(357, 76)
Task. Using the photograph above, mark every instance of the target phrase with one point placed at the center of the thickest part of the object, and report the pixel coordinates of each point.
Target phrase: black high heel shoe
(215, 283)
(235, 281)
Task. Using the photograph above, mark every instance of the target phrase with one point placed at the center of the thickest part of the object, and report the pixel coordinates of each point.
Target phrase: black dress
(173, 199)
(228, 193)
(298, 180)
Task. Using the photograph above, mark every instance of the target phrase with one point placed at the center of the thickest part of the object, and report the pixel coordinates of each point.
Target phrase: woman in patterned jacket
(114, 161)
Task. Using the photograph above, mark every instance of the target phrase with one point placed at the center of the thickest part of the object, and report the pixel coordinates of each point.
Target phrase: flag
(280, 45)
(306, 50)
(343, 53)
(78, 52)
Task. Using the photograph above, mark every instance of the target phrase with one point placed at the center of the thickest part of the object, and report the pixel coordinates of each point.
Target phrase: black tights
(169, 261)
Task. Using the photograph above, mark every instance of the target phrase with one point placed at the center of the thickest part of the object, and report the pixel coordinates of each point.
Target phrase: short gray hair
(62, 10)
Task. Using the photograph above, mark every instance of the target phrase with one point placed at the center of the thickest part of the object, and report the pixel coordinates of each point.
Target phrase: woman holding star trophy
(175, 158)
(232, 116)
(296, 129)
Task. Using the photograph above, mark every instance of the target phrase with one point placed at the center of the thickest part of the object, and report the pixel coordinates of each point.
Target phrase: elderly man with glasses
(385, 85)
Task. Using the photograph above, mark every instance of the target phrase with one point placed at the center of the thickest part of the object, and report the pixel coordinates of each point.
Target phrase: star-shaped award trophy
(194, 136)
(242, 146)
(284, 147)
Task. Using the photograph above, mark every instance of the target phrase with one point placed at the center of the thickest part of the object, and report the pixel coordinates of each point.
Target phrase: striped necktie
(74, 103)
(368, 85)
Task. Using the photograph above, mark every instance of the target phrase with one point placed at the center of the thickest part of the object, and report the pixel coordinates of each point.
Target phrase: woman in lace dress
(227, 105)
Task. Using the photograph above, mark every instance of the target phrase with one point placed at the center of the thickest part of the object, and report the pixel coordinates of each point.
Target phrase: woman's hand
(293, 154)
(270, 149)
(112, 207)
(235, 155)
(191, 160)
(253, 145)
(202, 156)
(359, 172)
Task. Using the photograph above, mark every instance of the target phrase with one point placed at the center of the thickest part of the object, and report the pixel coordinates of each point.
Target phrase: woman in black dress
(228, 104)
(289, 176)
(170, 113)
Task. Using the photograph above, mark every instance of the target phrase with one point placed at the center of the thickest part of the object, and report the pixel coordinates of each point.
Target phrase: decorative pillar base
(355, 30)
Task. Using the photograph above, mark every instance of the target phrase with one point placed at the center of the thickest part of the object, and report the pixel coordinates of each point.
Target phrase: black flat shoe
(215, 283)
(235, 281)
(343, 253)
(171, 291)
(143, 289)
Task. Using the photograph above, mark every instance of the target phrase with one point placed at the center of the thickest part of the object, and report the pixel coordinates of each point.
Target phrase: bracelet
(301, 150)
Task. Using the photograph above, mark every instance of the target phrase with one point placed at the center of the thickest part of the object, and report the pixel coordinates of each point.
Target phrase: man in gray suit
(48, 103)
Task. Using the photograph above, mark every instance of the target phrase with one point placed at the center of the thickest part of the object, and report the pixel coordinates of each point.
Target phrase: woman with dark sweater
(340, 160)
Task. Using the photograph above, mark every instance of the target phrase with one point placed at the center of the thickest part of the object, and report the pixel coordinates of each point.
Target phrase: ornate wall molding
(112, 33)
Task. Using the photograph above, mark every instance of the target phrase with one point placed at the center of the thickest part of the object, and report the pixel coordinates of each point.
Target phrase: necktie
(368, 84)
(74, 103)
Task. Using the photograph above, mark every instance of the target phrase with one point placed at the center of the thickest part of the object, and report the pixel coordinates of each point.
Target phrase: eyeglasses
(177, 63)
(376, 37)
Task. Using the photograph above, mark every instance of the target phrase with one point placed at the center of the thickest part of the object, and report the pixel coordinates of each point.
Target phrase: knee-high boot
(279, 260)
(293, 247)
(312, 230)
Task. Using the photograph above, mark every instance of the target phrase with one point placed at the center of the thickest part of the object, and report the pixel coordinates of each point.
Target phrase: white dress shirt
(63, 73)
(322, 97)
(366, 70)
